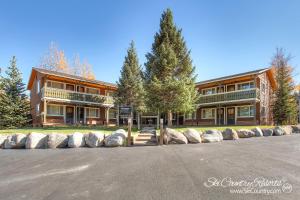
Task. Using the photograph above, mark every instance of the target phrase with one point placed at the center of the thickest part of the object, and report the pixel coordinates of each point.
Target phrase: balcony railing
(76, 96)
(229, 96)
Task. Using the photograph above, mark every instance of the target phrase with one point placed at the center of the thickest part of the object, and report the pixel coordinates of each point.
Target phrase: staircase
(147, 137)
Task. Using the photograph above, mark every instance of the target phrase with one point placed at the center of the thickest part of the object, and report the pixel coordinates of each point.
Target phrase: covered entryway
(70, 115)
(221, 116)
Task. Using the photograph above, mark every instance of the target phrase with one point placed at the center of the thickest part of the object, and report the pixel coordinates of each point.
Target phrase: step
(145, 140)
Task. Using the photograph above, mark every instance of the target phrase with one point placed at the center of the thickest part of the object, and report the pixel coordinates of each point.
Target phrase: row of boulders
(57, 140)
(172, 136)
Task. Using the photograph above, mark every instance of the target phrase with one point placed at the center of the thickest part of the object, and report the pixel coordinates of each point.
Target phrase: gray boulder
(288, 130)
(212, 136)
(296, 128)
(76, 140)
(175, 137)
(192, 135)
(94, 139)
(267, 131)
(230, 134)
(57, 140)
(16, 141)
(36, 141)
(245, 133)
(121, 132)
(278, 131)
(258, 132)
(2, 140)
(114, 140)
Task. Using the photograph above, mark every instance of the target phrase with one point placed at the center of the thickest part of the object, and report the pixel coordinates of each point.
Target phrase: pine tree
(169, 75)
(14, 104)
(285, 103)
(130, 90)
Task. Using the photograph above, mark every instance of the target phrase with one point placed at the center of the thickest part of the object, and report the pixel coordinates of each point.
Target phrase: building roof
(233, 76)
(65, 75)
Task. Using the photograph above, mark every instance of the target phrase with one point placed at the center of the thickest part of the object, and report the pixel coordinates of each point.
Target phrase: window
(209, 91)
(230, 88)
(92, 91)
(37, 108)
(112, 114)
(245, 111)
(56, 85)
(208, 113)
(245, 86)
(38, 86)
(92, 112)
(190, 116)
(55, 110)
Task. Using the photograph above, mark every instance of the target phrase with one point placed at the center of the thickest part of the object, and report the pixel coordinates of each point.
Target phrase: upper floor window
(208, 113)
(245, 111)
(38, 86)
(92, 91)
(209, 91)
(53, 84)
(245, 86)
(92, 112)
(55, 110)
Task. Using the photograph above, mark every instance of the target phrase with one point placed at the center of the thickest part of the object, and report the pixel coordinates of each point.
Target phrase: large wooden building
(59, 98)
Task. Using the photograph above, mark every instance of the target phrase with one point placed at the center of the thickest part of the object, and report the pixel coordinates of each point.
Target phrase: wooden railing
(229, 96)
(76, 96)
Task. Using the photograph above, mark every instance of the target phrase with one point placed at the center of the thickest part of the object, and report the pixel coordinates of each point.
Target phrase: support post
(129, 131)
(45, 111)
(161, 136)
(138, 121)
(118, 116)
(107, 116)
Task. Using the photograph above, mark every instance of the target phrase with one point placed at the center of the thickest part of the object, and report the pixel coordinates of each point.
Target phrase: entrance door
(220, 116)
(80, 115)
(69, 115)
(231, 116)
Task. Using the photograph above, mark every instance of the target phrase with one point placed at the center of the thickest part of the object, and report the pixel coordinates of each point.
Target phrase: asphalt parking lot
(256, 168)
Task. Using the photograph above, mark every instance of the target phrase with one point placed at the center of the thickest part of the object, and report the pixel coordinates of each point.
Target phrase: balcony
(76, 97)
(227, 97)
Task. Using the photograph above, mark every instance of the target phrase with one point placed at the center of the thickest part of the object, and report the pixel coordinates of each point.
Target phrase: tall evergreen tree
(285, 103)
(169, 75)
(130, 85)
(14, 104)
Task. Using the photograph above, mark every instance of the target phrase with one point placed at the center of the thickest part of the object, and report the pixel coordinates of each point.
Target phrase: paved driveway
(199, 171)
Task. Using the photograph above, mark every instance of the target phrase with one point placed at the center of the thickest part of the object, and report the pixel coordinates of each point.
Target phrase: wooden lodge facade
(58, 98)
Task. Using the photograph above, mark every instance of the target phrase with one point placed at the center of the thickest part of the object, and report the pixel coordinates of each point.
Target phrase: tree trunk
(169, 118)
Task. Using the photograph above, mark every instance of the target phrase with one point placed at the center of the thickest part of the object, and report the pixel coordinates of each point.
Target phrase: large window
(209, 91)
(56, 85)
(208, 113)
(190, 116)
(55, 110)
(112, 114)
(245, 111)
(92, 112)
(92, 91)
(246, 86)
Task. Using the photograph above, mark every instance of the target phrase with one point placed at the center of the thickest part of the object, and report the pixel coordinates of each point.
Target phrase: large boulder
(175, 137)
(288, 130)
(296, 128)
(57, 140)
(36, 141)
(121, 132)
(2, 140)
(192, 135)
(268, 131)
(245, 133)
(258, 132)
(16, 141)
(94, 139)
(278, 131)
(114, 140)
(230, 134)
(212, 136)
(76, 140)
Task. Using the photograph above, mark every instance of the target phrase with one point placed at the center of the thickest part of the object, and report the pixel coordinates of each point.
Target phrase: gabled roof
(233, 76)
(65, 75)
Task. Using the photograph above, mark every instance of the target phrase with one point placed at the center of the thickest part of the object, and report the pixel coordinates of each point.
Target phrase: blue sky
(225, 36)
